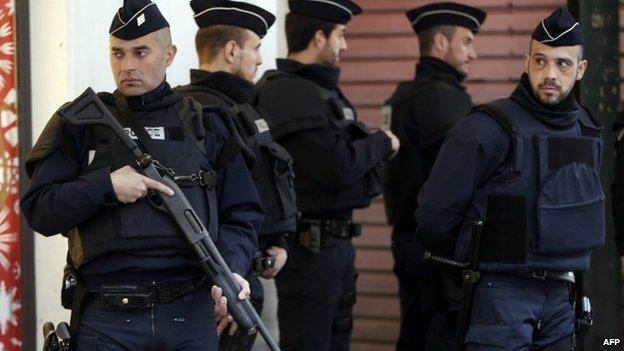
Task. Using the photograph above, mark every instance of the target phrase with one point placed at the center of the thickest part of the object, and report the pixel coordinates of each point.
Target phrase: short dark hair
(210, 40)
(425, 38)
(301, 29)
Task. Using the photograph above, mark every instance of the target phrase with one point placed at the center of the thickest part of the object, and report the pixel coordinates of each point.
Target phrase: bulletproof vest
(544, 207)
(140, 226)
(342, 117)
(405, 173)
(272, 168)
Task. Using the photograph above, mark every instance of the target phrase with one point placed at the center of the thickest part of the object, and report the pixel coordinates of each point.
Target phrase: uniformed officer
(336, 163)
(228, 44)
(528, 166)
(420, 113)
(85, 186)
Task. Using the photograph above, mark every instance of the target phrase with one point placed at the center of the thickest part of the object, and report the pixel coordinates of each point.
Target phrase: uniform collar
(160, 97)
(324, 75)
(236, 88)
(431, 67)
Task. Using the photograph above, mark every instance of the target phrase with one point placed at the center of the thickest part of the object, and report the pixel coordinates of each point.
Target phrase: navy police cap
(559, 29)
(137, 18)
(446, 13)
(335, 11)
(233, 13)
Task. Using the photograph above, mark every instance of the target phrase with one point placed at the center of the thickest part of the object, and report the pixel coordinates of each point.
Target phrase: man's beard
(327, 57)
(561, 97)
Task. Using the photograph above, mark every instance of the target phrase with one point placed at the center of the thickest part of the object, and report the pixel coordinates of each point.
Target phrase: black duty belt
(315, 234)
(543, 274)
(337, 228)
(141, 296)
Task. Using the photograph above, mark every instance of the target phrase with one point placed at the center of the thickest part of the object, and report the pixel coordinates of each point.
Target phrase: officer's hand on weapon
(222, 317)
(130, 186)
(281, 256)
(395, 142)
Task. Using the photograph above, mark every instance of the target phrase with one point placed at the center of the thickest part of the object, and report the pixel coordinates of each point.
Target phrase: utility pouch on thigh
(311, 239)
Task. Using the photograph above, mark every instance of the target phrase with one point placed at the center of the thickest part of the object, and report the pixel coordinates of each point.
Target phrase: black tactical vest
(344, 119)
(544, 207)
(140, 226)
(272, 170)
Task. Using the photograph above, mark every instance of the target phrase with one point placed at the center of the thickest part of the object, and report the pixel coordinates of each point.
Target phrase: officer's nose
(472, 54)
(552, 72)
(127, 64)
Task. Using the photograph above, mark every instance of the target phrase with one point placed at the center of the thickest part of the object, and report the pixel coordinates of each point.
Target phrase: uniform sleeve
(617, 192)
(58, 199)
(471, 154)
(240, 212)
(325, 156)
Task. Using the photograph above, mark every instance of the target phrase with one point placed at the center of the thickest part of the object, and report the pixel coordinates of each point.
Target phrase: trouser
(269, 313)
(186, 323)
(240, 341)
(427, 324)
(519, 314)
(316, 294)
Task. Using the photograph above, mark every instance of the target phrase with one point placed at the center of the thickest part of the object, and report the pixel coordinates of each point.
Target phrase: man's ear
(170, 55)
(581, 69)
(441, 42)
(230, 51)
(319, 39)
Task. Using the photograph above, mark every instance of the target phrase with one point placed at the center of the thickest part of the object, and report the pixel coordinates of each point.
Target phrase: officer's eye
(117, 55)
(564, 64)
(141, 53)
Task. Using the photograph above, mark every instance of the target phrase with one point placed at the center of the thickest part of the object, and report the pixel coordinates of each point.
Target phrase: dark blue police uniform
(420, 116)
(335, 161)
(114, 244)
(270, 165)
(139, 283)
(538, 191)
(530, 172)
(420, 113)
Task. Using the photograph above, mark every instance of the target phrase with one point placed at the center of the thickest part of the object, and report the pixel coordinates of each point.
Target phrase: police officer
(228, 44)
(336, 163)
(420, 113)
(528, 166)
(142, 286)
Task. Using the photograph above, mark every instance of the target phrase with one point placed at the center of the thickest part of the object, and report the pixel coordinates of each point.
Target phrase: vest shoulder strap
(499, 115)
(191, 116)
(495, 111)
